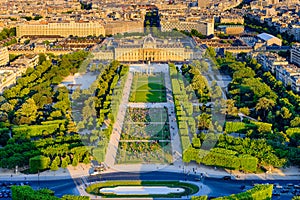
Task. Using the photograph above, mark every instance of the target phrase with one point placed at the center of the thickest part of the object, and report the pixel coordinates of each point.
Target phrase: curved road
(218, 187)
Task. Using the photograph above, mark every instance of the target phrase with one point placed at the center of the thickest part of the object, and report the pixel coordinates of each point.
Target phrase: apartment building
(205, 28)
(114, 27)
(285, 72)
(289, 75)
(26, 61)
(295, 54)
(65, 29)
(270, 61)
(4, 56)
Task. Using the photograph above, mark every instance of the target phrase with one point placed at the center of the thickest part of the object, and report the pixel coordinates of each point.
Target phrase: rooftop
(266, 36)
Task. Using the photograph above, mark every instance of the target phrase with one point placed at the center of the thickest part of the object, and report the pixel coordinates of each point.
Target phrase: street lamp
(38, 178)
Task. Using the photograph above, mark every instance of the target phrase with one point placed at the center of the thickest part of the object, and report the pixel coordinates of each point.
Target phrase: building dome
(149, 42)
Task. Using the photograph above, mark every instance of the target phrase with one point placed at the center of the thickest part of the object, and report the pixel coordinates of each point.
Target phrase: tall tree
(264, 105)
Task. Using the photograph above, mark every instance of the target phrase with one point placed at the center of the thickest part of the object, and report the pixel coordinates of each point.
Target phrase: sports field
(148, 88)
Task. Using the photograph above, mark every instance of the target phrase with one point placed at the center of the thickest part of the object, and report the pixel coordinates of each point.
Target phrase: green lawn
(148, 88)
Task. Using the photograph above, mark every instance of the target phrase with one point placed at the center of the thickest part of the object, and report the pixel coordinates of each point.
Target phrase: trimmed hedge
(39, 163)
(199, 198)
(222, 158)
(27, 193)
(235, 127)
(258, 192)
(35, 130)
(241, 127)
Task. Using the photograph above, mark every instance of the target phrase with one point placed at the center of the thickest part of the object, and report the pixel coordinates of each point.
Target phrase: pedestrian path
(113, 144)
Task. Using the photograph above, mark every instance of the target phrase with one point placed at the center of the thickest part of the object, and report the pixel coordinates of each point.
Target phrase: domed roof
(149, 42)
(149, 39)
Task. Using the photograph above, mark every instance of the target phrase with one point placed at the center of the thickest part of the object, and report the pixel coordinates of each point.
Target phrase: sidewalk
(71, 172)
(83, 171)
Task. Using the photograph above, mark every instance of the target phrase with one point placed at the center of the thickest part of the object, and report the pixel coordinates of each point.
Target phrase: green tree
(64, 164)
(75, 161)
(54, 166)
(42, 58)
(264, 105)
(27, 113)
(295, 122)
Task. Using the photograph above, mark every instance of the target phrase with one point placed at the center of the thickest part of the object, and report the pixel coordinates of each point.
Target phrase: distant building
(146, 49)
(231, 19)
(270, 39)
(205, 28)
(203, 3)
(295, 54)
(285, 72)
(270, 61)
(231, 29)
(26, 61)
(4, 56)
(295, 31)
(112, 28)
(289, 75)
(65, 29)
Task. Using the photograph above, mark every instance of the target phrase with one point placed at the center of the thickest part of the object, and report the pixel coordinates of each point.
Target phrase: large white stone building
(147, 49)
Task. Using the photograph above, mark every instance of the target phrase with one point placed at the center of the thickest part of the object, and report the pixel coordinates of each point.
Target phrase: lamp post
(38, 178)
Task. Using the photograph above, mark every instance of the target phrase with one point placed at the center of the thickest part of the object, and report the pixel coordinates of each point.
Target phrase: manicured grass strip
(148, 88)
(149, 96)
(189, 188)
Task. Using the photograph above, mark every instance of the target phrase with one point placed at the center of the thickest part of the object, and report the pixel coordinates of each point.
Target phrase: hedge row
(183, 108)
(259, 192)
(241, 127)
(35, 130)
(221, 158)
(27, 193)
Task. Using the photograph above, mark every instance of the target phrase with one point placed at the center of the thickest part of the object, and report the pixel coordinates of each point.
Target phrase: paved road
(215, 187)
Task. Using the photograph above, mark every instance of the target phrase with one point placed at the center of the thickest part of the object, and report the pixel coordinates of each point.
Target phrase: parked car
(227, 178)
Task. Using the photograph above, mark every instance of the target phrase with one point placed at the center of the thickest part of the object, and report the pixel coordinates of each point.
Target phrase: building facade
(295, 54)
(289, 75)
(231, 29)
(269, 40)
(270, 61)
(64, 29)
(4, 56)
(205, 28)
(112, 28)
(147, 49)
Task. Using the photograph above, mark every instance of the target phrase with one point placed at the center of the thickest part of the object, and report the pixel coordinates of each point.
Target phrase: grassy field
(189, 188)
(148, 88)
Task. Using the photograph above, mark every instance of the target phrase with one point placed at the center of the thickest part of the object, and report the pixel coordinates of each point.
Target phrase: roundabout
(138, 188)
